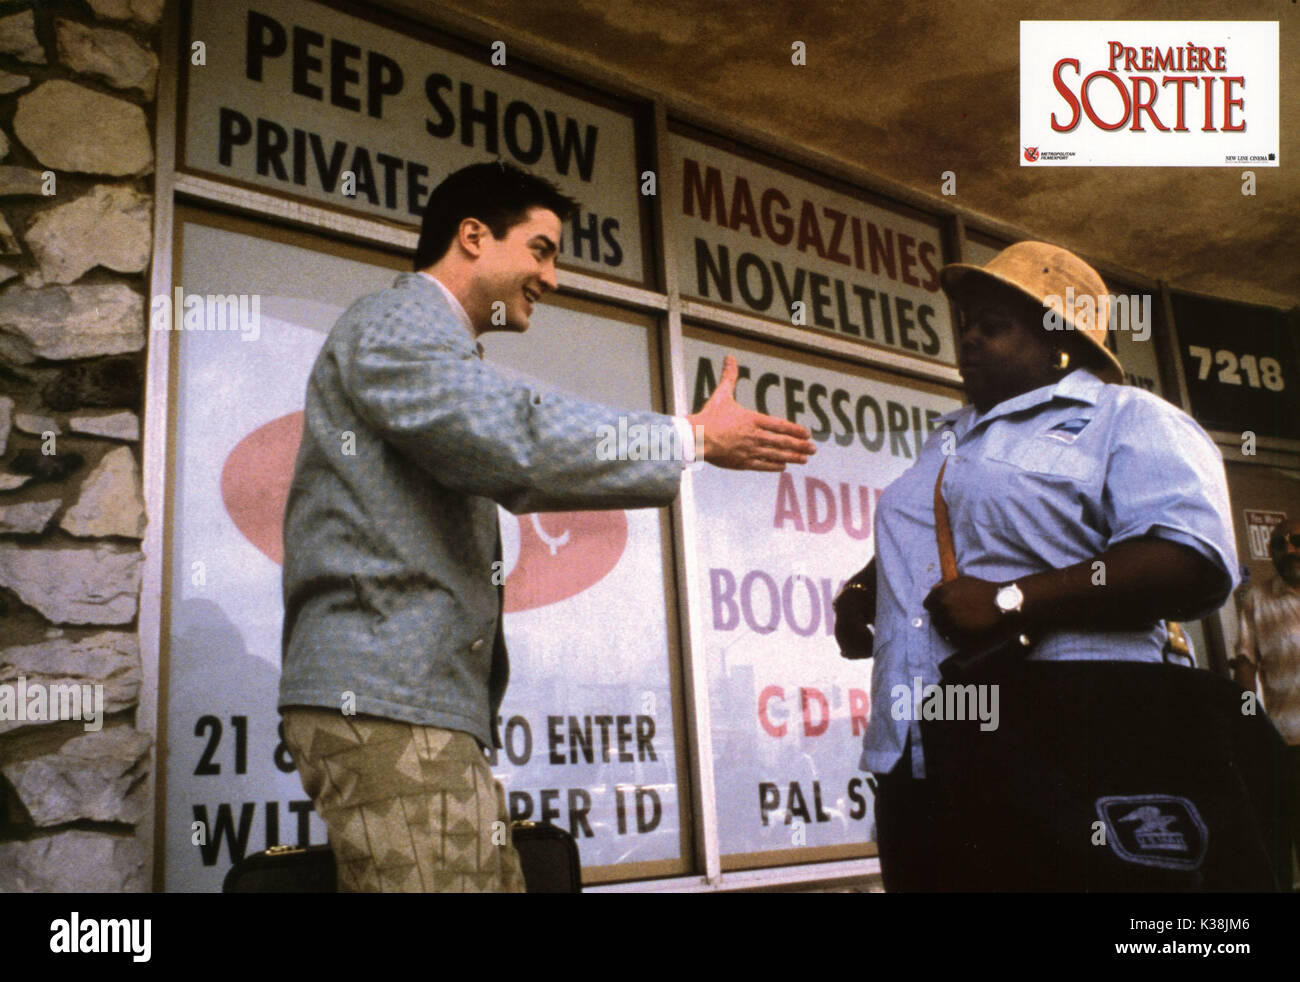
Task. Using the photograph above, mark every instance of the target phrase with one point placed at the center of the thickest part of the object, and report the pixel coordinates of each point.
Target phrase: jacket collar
(435, 293)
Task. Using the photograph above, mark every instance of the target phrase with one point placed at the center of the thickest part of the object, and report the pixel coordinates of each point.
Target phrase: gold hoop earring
(1062, 361)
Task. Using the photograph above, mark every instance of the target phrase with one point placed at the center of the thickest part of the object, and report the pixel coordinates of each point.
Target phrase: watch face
(1009, 598)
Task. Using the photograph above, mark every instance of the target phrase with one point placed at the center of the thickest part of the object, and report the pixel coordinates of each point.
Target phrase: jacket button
(477, 645)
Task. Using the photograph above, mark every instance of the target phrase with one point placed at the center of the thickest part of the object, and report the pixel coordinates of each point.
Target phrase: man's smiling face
(518, 269)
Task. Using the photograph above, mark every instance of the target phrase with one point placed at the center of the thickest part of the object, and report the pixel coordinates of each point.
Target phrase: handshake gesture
(729, 435)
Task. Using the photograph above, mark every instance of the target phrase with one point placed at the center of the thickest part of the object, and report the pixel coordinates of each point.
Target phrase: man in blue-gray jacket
(394, 660)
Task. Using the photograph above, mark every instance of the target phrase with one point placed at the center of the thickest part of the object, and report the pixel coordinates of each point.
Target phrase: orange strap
(943, 531)
(1178, 642)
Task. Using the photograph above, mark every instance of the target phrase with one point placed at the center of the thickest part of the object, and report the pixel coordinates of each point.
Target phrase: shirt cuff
(1206, 547)
(686, 435)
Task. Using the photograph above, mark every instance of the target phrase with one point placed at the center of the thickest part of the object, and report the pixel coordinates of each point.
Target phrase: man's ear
(471, 234)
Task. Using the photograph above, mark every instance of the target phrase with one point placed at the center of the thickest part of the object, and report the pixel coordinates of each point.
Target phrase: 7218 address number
(1260, 372)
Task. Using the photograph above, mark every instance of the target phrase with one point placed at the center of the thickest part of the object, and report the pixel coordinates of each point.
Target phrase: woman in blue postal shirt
(1083, 513)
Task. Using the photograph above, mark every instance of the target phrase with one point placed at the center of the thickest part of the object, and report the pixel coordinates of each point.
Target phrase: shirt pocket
(1045, 453)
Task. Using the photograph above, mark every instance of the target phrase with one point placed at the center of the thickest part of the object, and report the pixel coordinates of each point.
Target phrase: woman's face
(1002, 347)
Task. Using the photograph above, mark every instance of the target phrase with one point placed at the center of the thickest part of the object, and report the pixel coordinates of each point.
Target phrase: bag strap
(943, 531)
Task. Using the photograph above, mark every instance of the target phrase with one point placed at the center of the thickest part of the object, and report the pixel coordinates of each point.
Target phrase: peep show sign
(306, 101)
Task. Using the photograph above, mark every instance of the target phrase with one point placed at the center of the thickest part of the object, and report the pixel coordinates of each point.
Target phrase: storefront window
(788, 712)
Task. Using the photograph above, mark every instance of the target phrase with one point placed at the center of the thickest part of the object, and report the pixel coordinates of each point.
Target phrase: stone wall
(77, 89)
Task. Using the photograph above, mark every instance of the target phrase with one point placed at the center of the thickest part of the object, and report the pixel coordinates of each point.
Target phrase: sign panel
(1260, 523)
(1149, 93)
(589, 718)
(788, 712)
(1242, 365)
(301, 99)
(766, 243)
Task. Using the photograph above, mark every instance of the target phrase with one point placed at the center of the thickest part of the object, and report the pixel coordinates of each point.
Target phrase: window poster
(590, 717)
(788, 712)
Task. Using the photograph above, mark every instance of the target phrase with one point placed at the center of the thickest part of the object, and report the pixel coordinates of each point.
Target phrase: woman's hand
(1128, 587)
(964, 610)
(855, 611)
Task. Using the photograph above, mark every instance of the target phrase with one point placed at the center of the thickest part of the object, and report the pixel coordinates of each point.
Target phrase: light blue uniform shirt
(1045, 480)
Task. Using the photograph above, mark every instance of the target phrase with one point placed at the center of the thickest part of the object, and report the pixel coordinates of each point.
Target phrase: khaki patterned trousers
(410, 809)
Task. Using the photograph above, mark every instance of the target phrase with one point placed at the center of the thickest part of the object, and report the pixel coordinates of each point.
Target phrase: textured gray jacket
(409, 442)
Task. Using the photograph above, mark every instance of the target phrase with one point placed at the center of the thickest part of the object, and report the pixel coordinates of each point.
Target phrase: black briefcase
(547, 854)
(549, 857)
(284, 869)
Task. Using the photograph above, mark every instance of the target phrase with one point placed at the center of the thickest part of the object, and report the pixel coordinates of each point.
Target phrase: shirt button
(917, 622)
(477, 645)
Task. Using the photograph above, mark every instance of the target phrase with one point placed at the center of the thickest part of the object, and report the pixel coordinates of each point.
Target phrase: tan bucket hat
(1054, 277)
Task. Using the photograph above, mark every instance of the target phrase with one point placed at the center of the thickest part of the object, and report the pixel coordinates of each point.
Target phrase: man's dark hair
(499, 195)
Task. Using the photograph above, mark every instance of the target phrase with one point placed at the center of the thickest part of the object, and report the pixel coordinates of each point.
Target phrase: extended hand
(964, 610)
(729, 435)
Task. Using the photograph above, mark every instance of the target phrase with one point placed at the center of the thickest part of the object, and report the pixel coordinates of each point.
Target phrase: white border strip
(571, 281)
(266, 205)
(695, 665)
(819, 343)
(808, 875)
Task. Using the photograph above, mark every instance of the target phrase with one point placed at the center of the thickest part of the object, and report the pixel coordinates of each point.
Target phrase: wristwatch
(1009, 599)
